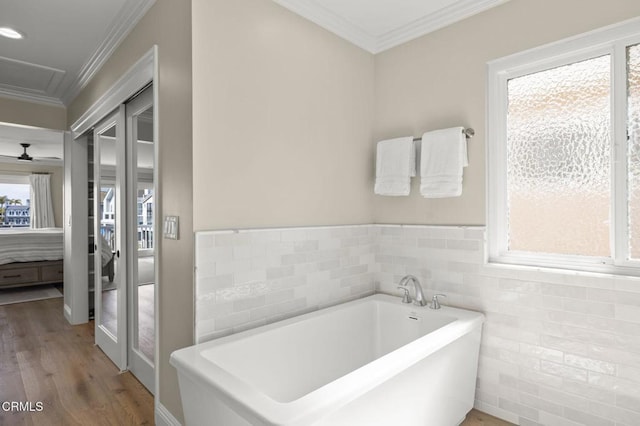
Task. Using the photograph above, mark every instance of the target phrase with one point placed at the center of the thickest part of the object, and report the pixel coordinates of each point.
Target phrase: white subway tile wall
(558, 347)
(254, 277)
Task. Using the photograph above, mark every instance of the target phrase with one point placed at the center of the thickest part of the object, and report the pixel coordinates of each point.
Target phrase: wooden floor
(146, 325)
(145, 336)
(478, 418)
(45, 360)
(146, 321)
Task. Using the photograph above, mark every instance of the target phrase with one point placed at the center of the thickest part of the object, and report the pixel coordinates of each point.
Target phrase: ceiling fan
(25, 157)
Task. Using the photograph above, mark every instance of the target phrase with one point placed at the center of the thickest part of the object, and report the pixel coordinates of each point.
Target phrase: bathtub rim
(243, 397)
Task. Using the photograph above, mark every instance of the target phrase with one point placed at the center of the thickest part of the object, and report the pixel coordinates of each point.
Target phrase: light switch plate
(171, 225)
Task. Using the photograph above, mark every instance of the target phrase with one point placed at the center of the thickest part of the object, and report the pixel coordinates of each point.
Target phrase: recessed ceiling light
(10, 33)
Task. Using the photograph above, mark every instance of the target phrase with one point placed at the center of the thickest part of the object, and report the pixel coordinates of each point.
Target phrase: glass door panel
(111, 263)
(144, 336)
(141, 186)
(110, 240)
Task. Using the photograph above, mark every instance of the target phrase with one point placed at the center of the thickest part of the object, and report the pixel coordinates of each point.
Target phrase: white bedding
(30, 245)
(105, 250)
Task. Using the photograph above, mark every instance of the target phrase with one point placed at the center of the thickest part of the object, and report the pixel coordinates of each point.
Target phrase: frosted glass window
(633, 75)
(559, 160)
(563, 157)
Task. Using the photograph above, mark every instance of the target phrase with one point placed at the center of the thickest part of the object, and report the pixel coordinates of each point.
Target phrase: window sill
(499, 265)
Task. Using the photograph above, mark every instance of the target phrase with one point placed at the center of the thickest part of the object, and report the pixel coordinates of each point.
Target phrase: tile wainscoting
(558, 348)
(249, 278)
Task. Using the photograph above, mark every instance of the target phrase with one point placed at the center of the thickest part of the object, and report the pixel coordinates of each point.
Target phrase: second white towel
(442, 159)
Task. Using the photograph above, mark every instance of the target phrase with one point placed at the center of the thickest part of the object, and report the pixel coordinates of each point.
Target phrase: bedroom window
(559, 117)
(14, 201)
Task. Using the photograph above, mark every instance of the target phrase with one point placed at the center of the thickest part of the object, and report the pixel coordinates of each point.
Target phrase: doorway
(124, 155)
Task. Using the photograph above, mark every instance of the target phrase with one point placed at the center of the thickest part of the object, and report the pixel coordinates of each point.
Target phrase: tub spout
(405, 297)
(419, 297)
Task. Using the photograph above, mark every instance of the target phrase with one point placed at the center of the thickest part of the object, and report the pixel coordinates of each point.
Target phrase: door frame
(140, 74)
(143, 72)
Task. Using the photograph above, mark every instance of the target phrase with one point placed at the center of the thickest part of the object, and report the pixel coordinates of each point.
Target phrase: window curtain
(41, 204)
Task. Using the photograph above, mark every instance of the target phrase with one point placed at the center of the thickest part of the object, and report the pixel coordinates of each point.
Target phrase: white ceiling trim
(145, 70)
(122, 25)
(30, 97)
(327, 19)
(49, 82)
(41, 96)
(433, 22)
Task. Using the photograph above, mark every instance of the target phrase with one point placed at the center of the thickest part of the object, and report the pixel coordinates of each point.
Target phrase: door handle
(118, 253)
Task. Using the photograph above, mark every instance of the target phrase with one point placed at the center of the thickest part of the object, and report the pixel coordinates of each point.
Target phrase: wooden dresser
(31, 273)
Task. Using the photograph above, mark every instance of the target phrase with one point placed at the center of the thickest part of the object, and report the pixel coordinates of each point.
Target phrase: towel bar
(468, 132)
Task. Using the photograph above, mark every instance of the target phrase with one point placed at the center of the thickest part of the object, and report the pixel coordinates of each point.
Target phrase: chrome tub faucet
(419, 296)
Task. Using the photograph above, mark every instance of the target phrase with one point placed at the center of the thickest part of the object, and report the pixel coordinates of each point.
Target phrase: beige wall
(285, 115)
(439, 81)
(167, 24)
(57, 182)
(32, 114)
(282, 120)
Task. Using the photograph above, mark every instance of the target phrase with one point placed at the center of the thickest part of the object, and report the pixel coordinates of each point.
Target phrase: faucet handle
(435, 303)
(405, 297)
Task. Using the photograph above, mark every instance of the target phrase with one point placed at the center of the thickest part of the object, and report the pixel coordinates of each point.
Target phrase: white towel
(395, 165)
(444, 155)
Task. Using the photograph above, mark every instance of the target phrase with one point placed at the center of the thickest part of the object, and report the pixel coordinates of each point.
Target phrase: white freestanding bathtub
(374, 361)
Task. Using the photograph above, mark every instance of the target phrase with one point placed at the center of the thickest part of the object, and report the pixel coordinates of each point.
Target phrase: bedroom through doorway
(31, 213)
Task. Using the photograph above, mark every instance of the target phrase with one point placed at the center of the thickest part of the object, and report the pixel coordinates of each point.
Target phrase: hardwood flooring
(45, 360)
(146, 321)
(146, 325)
(478, 418)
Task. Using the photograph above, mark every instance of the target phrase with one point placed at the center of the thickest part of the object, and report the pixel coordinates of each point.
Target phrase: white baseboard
(164, 416)
(67, 313)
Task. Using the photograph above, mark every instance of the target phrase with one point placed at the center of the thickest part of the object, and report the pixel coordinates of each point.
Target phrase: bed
(30, 256)
(107, 255)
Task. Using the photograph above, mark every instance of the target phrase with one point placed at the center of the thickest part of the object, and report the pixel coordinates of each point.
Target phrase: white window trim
(609, 40)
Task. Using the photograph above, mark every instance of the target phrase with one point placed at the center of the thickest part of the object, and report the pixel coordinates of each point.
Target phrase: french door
(110, 237)
(125, 271)
(141, 199)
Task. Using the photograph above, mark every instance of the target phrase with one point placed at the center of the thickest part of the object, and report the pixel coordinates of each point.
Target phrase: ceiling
(377, 25)
(66, 42)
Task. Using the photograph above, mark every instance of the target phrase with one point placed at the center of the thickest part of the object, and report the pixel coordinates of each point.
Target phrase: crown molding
(328, 20)
(458, 11)
(332, 22)
(139, 75)
(31, 97)
(121, 26)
